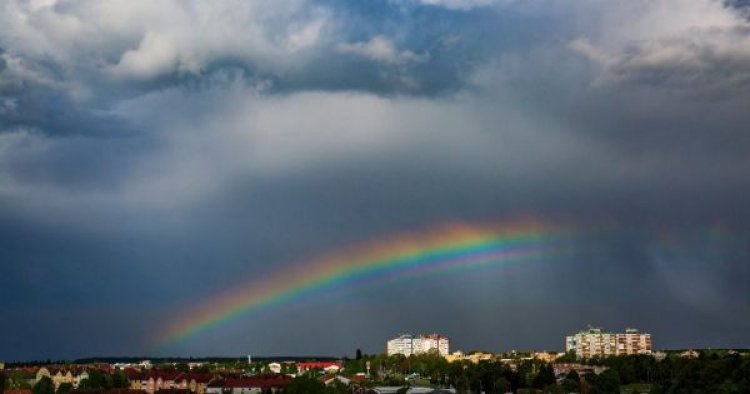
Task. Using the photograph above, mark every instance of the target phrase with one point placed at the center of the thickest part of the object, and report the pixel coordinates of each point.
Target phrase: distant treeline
(163, 360)
(160, 360)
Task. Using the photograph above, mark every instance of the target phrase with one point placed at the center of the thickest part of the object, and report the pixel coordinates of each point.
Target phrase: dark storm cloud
(54, 113)
(150, 161)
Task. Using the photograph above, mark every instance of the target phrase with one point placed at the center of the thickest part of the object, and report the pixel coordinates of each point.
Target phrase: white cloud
(459, 4)
(143, 39)
(684, 43)
(381, 49)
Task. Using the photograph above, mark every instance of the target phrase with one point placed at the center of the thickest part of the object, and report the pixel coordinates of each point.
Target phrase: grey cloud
(141, 40)
(459, 4)
(705, 48)
(231, 162)
(52, 112)
(381, 49)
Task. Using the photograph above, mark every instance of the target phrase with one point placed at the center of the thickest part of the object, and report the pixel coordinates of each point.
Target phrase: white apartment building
(408, 344)
(594, 342)
(633, 342)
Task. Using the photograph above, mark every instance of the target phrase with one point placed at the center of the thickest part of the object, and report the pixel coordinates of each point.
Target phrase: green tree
(358, 355)
(182, 367)
(202, 369)
(44, 386)
(120, 380)
(608, 382)
(571, 383)
(305, 385)
(337, 387)
(569, 357)
(96, 380)
(545, 377)
(288, 368)
(501, 386)
(18, 380)
(64, 388)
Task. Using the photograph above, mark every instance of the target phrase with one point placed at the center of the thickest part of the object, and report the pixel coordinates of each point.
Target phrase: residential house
(80, 376)
(249, 385)
(274, 367)
(154, 381)
(327, 366)
(61, 376)
(41, 373)
(563, 369)
(194, 382)
(690, 353)
(331, 379)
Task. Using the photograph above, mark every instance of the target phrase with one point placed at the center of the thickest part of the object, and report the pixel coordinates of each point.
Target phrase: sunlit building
(408, 344)
(633, 342)
(594, 342)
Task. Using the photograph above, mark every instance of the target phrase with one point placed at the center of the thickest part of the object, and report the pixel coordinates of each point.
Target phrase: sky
(154, 155)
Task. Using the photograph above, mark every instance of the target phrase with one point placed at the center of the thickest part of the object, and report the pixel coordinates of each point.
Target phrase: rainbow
(450, 247)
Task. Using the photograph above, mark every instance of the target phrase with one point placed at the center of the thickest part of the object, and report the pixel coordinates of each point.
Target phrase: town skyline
(389, 349)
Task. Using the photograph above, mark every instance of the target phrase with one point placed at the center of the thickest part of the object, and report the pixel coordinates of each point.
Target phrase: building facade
(594, 342)
(408, 344)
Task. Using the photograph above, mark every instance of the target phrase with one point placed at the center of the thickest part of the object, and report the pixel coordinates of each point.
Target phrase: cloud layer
(154, 154)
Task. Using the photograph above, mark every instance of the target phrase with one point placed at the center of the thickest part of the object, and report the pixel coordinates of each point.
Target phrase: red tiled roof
(358, 378)
(19, 391)
(132, 373)
(326, 377)
(319, 364)
(198, 377)
(164, 375)
(265, 381)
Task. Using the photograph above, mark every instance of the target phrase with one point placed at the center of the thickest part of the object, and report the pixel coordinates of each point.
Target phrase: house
(690, 353)
(135, 377)
(154, 381)
(476, 357)
(60, 376)
(562, 369)
(194, 382)
(41, 373)
(331, 379)
(79, 377)
(547, 357)
(274, 367)
(249, 385)
(327, 366)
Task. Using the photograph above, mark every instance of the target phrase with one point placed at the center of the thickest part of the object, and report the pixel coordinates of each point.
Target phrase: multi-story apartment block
(594, 342)
(633, 342)
(408, 344)
(435, 341)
